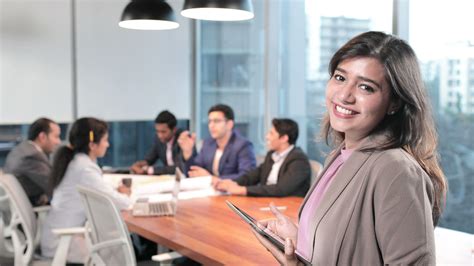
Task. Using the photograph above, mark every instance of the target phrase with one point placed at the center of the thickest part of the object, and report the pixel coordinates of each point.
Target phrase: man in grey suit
(285, 172)
(29, 160)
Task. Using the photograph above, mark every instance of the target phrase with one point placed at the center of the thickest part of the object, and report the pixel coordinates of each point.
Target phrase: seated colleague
(226, 154)
(285, 171)
(165, 148)
(72, 166)
(29, 161)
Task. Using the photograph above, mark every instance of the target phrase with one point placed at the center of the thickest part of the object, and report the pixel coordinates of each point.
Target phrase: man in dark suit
(29, 160)
(226, 155)
(285, 172)
(165, 148)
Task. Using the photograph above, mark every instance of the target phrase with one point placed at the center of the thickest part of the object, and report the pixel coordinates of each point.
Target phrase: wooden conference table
(207, 231)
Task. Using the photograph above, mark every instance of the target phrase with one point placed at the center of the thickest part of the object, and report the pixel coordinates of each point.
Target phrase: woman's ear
(92, 145)
(394, 106)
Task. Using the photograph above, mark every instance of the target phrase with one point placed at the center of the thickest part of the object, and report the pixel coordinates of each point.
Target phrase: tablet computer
(267, 233)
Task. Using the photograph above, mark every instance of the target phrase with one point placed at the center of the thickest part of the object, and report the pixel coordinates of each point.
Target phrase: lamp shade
(148, 15)
(218, 10)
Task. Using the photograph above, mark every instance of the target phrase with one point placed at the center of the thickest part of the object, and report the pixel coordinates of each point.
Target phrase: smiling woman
(358, 98)
(381, 191)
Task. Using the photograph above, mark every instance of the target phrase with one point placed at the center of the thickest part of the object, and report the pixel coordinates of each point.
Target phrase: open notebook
(143, 207)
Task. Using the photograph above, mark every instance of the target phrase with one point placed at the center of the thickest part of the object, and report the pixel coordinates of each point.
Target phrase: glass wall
(230, 71)
(129, 140)
(447, 58)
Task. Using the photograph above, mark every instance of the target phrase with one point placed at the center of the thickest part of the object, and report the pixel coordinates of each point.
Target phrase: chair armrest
(42, 209)
(166, 256)
(65, 237)
(41, 212)
(107, 244)
(70, 231)
(4, 198)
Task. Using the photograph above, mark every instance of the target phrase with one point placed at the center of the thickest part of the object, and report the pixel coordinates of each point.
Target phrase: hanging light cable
(148, 15)
(218, 10)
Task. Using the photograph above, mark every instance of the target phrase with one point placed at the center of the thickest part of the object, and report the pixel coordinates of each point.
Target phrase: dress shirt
(278, 159)
(215, 162)
(169, 152)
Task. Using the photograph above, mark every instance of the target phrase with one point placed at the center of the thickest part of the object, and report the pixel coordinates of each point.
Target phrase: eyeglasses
(216, 121)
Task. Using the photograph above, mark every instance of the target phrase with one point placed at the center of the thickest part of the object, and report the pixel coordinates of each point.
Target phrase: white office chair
(23, 236)
(6, 249)
(109, 236)
(316, 169)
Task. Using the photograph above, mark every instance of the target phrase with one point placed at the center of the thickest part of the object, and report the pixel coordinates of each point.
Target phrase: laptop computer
(143, 207)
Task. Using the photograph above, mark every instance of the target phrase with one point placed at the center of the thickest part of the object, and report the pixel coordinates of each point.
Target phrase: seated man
(285, 172)
(165, 149)
(226, 154)
(29, 160)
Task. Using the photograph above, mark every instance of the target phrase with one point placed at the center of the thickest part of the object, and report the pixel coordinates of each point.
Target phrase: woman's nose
(346, 93)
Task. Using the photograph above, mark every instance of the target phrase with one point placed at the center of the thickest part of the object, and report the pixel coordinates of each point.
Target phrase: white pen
(281, 208)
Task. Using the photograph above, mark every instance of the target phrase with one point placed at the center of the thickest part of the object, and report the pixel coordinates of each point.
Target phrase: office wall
(35, 60)
(121, 74)
(127, 74)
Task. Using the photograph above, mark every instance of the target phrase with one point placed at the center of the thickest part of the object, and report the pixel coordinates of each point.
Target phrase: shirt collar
(346, 153)
(170, 143)
(35, 145)
(279, 156)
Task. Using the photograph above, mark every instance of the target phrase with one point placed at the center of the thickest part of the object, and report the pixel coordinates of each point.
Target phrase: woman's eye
(339, 77)
(366, 88)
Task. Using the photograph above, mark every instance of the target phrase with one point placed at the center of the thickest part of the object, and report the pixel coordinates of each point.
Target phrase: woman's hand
(284, 228)
(287, 258)
(281, 226)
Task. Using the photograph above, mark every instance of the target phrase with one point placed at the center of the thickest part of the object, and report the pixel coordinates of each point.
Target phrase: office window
(435, 41)
(329, 24)
(230, 69)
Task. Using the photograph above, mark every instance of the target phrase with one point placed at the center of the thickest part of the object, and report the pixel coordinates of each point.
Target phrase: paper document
(184, 195)
(193, 183)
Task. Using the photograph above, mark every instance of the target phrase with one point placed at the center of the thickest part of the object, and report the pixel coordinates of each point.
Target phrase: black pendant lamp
(148, 15)
(218, 10)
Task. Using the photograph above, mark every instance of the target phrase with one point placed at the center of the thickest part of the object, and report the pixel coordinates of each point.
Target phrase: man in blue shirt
(225, 155)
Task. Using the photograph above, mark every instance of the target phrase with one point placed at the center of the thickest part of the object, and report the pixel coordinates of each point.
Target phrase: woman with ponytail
(76, 164)
(381, 191)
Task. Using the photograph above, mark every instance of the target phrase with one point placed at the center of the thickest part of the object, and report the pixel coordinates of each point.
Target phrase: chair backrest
(260, 159)
(316, 169)
(23, 220)
(109, 236)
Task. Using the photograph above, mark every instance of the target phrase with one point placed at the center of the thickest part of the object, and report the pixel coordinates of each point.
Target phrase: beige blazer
(377, 210)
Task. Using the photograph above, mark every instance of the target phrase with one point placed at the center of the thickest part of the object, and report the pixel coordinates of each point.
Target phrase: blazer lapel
(267, 168)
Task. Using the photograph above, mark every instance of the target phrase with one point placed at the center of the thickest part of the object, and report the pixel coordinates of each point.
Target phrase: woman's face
(357, 98)
(99, 149)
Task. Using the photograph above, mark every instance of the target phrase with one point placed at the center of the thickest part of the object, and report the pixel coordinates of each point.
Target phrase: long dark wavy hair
(83, 131)
(412, 127)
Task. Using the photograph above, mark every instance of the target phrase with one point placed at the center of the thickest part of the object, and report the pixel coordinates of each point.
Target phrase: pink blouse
(304, 246)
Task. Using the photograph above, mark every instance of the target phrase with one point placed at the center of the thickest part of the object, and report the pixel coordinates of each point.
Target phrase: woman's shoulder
(82, 163)
(396, 163)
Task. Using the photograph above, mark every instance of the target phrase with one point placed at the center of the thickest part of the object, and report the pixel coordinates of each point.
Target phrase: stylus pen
(281, 208)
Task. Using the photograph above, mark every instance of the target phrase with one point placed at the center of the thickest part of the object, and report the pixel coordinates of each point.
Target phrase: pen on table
(281, 208)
